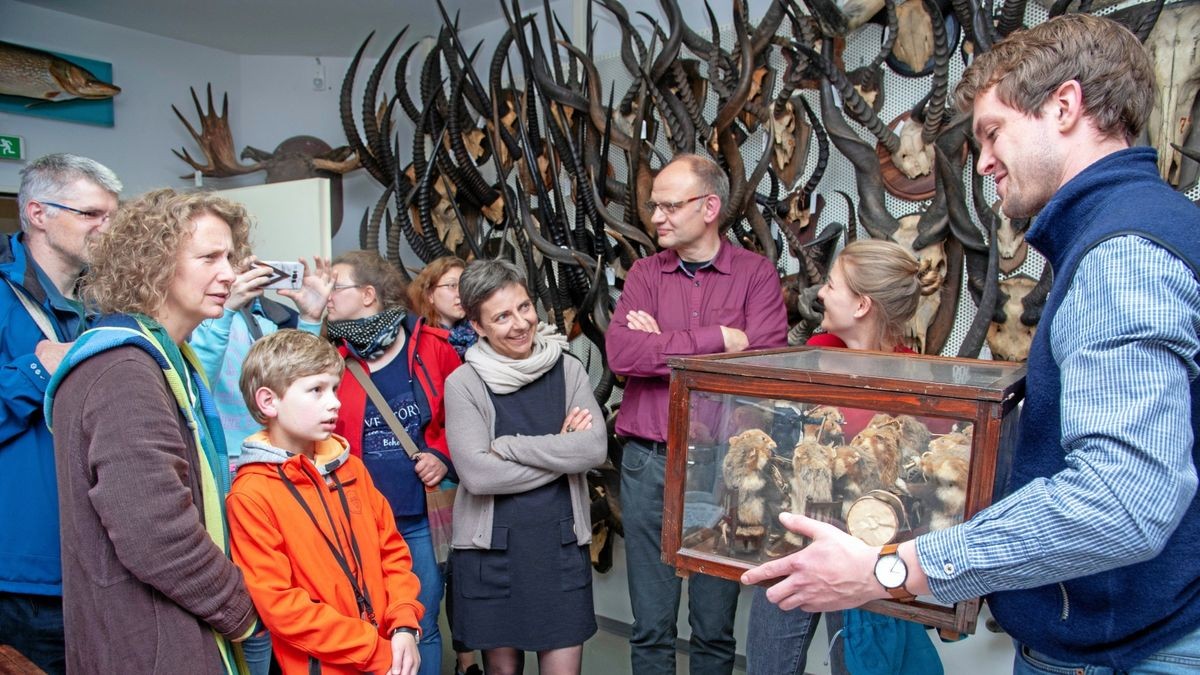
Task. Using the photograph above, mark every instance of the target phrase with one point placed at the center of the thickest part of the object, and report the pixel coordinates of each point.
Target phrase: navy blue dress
(533, 589)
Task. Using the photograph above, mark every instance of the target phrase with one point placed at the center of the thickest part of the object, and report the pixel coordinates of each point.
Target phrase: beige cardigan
(489, 466)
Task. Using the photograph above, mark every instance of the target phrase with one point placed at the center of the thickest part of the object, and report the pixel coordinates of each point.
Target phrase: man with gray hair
(65, 202)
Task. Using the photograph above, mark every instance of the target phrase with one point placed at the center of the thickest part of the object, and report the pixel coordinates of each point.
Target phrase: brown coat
(143, 583)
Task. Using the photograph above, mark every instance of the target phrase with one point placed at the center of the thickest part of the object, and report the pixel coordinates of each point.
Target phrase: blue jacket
(30, 560)
(1118, 617)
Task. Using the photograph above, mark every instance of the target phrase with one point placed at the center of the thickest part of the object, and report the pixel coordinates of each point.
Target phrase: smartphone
(285, 275)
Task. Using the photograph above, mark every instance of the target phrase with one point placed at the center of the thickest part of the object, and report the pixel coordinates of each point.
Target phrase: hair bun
(929, 277)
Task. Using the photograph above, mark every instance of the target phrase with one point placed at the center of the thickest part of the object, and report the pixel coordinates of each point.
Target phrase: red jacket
(430, 359)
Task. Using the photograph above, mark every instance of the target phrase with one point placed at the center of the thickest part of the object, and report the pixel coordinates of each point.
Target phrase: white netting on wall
(900, 95)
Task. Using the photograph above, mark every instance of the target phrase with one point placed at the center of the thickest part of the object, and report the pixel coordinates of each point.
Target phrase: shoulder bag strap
(385, 410)
(251, 323)
(37, 313)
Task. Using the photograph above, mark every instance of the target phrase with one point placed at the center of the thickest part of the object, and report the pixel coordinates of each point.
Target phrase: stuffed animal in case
(812, 481)
(745, 472)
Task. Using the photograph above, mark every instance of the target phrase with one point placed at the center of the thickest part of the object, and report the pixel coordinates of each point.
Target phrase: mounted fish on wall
(55, 86)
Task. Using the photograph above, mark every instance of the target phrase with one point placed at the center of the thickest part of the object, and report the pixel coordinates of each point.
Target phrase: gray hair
(48, 178)
(482, 278)
(709, 175)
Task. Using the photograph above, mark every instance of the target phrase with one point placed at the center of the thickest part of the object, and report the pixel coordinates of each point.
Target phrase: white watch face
(891, 571)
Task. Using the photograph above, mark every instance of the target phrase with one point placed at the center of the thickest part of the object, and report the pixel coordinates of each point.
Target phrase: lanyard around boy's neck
(361, 595)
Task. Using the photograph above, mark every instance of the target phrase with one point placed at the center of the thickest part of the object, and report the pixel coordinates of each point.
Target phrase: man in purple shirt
(701, 295)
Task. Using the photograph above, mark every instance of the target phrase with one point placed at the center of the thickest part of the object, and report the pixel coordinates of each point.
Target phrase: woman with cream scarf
(525, 429)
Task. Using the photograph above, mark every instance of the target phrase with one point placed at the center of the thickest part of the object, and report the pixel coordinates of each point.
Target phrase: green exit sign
(12, 147)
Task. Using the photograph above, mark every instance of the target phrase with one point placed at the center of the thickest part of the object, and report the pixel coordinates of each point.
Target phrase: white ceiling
(279, 27)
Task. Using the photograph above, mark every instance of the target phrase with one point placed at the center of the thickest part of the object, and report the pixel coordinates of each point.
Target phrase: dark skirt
(533, 589)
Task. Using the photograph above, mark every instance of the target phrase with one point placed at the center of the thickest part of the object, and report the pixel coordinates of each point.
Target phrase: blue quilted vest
(1119, 617)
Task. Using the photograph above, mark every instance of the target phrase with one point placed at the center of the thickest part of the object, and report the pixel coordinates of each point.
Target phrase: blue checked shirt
(1125, 338)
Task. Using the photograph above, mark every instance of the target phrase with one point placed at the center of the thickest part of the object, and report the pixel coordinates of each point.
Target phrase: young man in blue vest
(65, 201)
(1090, 562)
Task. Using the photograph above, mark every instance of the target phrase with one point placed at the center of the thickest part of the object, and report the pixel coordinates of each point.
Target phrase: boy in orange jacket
(329, 574)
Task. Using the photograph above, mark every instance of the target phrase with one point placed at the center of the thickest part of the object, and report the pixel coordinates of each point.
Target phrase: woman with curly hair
(141, 463)
(433, 294)
(368, 319)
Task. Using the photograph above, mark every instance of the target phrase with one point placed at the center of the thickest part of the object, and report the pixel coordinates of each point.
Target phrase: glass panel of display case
(852, 363)
(884, 446)
(883, 477)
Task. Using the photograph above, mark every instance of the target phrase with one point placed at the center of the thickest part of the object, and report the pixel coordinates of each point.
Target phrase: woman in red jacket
(408, 362)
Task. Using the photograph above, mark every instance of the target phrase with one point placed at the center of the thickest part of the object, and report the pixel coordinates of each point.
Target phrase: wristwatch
(891, 573)
(415, 632)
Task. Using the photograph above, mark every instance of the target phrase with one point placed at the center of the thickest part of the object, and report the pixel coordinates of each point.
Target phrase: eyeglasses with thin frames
(669, 208)
(92, 214)
(342, 287)
(452, 285)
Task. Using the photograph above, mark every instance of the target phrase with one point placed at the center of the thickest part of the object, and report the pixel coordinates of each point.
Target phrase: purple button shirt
(739, 289)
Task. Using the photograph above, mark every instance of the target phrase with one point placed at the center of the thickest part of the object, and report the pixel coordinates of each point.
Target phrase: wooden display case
(886, 446)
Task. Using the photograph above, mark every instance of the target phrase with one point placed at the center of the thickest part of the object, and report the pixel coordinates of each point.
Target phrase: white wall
(153, 72)
(270, 99)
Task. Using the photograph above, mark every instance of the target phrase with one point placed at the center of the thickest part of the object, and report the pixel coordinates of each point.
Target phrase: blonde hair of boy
(279, 359)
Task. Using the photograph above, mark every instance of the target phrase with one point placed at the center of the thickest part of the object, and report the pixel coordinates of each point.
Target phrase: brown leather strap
(901, 592)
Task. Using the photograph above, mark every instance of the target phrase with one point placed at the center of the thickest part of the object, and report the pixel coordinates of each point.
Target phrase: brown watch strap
(901, 592)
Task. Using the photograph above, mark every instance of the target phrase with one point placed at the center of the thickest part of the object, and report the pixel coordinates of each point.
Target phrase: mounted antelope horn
(973, 341)
(593, 105)
(715, 62)
(890, 33)
(401, 86)
(767, 27)
(471, 180)
(368, 231)
(670, 49)
(963, 11)
(822, 150)
(935, 110)
(345, 103)
(1012, 16)
(377, 142)
(709, 50)
(741, 93)
(854, 103)
(629, 37)
(981, 25)
(871, 209)
(476, 94)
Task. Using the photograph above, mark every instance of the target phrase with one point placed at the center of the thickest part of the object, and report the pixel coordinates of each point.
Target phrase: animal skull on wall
(1174, 47)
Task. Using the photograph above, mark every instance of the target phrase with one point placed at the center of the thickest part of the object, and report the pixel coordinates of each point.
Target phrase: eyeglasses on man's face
(669, 208)
(91, 214)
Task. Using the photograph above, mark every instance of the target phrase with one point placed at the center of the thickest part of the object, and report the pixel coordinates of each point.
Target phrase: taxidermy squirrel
(855, 472)
(945, 466)
(812, 479)
(825, 424)
(914, 440)
(745, 471)
(881, 439)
